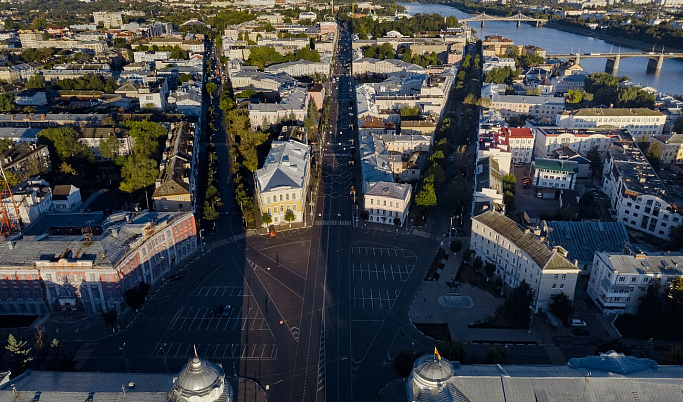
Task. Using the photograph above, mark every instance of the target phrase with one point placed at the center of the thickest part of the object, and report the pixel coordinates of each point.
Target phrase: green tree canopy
(109, 147)
(35, 82)
(147, 136)
(562, 307)
(65, 142)
(410, 111)
(6, 102)
(426, 198)
(519, 301)
(138, 171)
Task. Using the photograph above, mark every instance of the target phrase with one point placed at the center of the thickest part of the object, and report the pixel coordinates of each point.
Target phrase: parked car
(176, 277)
(271, 231)
(227, 311)
(578, 323)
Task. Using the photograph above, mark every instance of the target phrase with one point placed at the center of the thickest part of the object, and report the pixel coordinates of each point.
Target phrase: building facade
(639, 122)
(523, 256)
(555, 173)
(669, 146)
(581, 140)
(387, 202)
(619, 281)
(638, 197)
(282, 182)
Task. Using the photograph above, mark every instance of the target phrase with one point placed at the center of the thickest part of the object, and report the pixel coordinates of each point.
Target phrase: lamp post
(123, 351)
(201, 239)
(163, 349)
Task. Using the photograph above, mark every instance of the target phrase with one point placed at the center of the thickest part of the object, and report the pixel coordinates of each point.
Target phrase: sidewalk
(429, 306)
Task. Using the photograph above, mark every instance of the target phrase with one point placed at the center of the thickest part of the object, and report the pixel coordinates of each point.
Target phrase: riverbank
(599, 34)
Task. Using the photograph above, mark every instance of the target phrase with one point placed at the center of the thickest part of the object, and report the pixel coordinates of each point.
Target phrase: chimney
(114, 233)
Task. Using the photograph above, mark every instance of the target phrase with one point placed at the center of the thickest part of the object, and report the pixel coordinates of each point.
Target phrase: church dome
(199, 381)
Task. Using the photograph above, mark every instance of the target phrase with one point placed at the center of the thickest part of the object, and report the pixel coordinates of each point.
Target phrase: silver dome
(199, 380)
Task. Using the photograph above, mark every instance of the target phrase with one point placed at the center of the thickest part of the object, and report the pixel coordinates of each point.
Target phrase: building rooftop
(583, 239)
(398, 191)
(286, 165)
(558, 165)
(176, 161)
(641, 263)
(83, 237)
(539, 251)
(613, 112)
(670, 139)
(521, 132)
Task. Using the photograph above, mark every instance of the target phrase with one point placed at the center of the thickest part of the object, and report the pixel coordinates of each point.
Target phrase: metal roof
(583, 239)
(286, 165)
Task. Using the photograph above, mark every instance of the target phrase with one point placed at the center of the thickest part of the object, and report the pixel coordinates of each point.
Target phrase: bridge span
(655, 59)
(519, 18)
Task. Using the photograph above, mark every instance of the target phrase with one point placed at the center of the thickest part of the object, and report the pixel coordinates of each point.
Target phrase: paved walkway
(427, 308)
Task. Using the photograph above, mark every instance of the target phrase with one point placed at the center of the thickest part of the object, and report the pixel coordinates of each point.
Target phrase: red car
(271, 231)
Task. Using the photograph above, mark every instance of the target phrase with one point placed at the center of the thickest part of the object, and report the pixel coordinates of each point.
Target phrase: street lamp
(201, 239)
(123, 350)
(163, 349)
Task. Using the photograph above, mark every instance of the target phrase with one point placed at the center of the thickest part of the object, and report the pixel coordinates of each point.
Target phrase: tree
(496, 354)
(6, 102)
(654, 156)
(364, 215)
(110, 317)
(109, 147)
(60, 359)
(289, 216)
(453, 351)
(65, 142)
(138, 172)
(67, 169)
(519, 301)
(456, 245)
(210, 213)
(18, 355)
(595, 159)
(509, 183)
(403, 363)
(312, 115)
(397, 221)
(674, 296)
(35, 82)
(426, 198)
(410, 111)
(178, 53)
(266, 219)
(147, 136)
(678, 125)
(5, 144)
(562, 307)
(673, 356)
(477, 264)
(211, 88)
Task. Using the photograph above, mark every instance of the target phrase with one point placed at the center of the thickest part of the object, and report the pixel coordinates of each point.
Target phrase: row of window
(384, 203)
(285, 198)
(282, 209)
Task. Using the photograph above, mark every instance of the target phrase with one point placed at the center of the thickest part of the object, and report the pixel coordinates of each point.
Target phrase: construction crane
(9, 223)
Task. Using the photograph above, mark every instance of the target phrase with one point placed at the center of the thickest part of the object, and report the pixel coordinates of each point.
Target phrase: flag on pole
(195, 350)
(436, 353)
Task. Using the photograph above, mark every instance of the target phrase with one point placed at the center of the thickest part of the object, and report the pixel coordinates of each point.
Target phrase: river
(668, 80)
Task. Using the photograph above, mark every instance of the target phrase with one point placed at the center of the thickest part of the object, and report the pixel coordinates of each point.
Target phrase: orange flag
(436, 353)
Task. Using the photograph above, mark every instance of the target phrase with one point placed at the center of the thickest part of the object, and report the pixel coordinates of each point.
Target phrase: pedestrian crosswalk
(228, 240)
(333, 222)
(220, 351)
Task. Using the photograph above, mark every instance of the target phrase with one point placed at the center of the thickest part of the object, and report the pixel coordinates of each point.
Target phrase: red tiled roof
(521, 132)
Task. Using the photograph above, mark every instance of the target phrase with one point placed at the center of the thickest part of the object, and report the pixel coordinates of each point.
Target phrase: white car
(578, 323)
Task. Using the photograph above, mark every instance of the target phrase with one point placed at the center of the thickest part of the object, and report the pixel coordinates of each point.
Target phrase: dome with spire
(201, 381)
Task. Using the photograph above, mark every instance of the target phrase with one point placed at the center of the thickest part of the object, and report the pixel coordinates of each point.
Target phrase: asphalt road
(316, 314)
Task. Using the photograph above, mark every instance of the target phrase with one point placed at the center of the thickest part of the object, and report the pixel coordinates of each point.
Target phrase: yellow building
(282, 182)
(670, 147)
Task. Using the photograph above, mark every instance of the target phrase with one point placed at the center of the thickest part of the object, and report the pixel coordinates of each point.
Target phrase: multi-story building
(639, 122)
(154, 95)
(542, 107)
(108, 19)
(29, 39)
(284, 45)
(555, 173)
(637, 195)
(582, 140)
(387, 202)
(619, 280)
(564, 83)
(282, 182)
(94, 136)
(26, 159)
(300, 68)
(32, 199)
(523, 256)
(520, 142)
(371, 66)
(84, 262)
(293, 106)
(669, 146)
(175, 188)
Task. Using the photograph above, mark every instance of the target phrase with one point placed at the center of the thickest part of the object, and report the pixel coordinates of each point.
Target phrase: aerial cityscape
(296, 200)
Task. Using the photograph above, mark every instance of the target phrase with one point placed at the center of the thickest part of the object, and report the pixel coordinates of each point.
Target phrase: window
(561, 285)
(556, 276)
(287, 197)
(280, 197)
(633, 279)
(294, 208)
(554, 285)
(294, 196)
(564, 276)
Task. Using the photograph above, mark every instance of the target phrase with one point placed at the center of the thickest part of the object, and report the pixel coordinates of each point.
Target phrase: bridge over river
(519, 18)
(655, 59)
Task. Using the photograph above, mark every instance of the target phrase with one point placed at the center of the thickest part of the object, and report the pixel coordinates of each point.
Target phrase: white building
(387, 201)
(498, 62)
(154, 95)
(31, 97)
(618, 281)
(542, 107)
(523, 256)
(108, 19)
(639, 122)
(549, 139)
(555, 173)
(638, 197)
(308, 15)
(282, 182)
(293, 105)
(521, 142)
(66, 198)
(300, 68)
(368, 65)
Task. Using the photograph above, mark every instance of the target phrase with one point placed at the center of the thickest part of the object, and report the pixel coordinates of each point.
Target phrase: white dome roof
(200, 380)
(434, 370)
